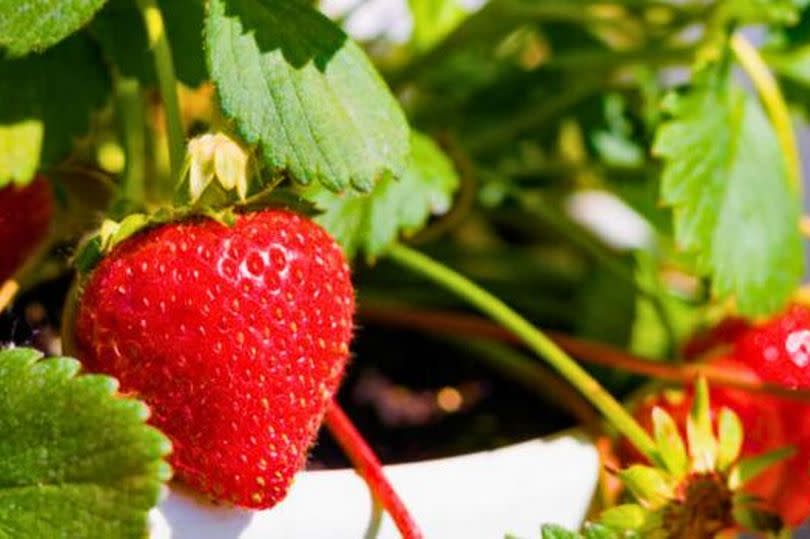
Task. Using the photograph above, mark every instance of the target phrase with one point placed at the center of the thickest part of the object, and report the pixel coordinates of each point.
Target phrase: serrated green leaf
(552, 531)
(34, 25)
(729, 438)
(370, 223)
(650, 486)
(306, 94)
(76, 460)
(727, 182)
(120, 30)
(670, 444)
(45, 102)
(747, 469)
(699, 432)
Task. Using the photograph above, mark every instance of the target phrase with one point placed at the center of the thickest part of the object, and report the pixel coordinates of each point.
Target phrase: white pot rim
(484, 494)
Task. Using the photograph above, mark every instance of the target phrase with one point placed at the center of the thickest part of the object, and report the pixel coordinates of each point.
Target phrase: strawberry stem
(131, 116)
(368, 466)
(167, 81)
(535, 377)
(768, 90)
(533, 338)
(588, 351)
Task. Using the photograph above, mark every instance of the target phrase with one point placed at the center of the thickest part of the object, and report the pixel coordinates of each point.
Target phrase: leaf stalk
(774, 102)
(167, 82)
(533, 338)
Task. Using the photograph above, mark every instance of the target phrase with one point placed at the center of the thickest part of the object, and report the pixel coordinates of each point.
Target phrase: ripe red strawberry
(760, 416)
(793, 498)
(236, 336)
(779, 350)
(25, 216)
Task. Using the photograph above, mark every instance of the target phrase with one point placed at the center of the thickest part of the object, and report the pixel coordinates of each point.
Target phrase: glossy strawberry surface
(793, 499)
(236, 337)
(779, 349)
(25, 216)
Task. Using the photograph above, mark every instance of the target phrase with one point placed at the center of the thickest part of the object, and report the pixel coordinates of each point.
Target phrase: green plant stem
(375, 522)
(167, 81)
(442, 323)
(605, 257)
(133, 126)
(533, 338)
(774, 102)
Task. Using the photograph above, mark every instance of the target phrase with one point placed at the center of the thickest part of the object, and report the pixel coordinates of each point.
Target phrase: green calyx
(696, 490)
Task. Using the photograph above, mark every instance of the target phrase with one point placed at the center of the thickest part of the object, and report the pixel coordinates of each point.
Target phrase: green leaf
(372, 222)
(753, 11)
(120, 30)
(699, 432)
(747, 469)
(729, 438)
(670, 444)
(552, 531)
(597, 531)
(628, 516)
(34, 25)
(45, 102)
(433, 20)
(76, 460)
(299, 88)
(650, 486)
(793, 64)
(727, 181)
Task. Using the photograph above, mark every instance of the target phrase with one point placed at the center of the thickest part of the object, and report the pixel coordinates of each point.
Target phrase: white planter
(481, 495)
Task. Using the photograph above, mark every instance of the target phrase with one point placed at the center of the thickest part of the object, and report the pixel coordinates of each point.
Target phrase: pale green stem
(164, 66)
(133, 127)
(774, 102)
(533, 338)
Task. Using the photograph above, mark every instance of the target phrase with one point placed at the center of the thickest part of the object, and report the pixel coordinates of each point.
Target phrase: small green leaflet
(45, 101)
(300, 89)
(120, 30)
(551, 531)
(34, 25)
(726, 180)
(76, 460)
(370, 223)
